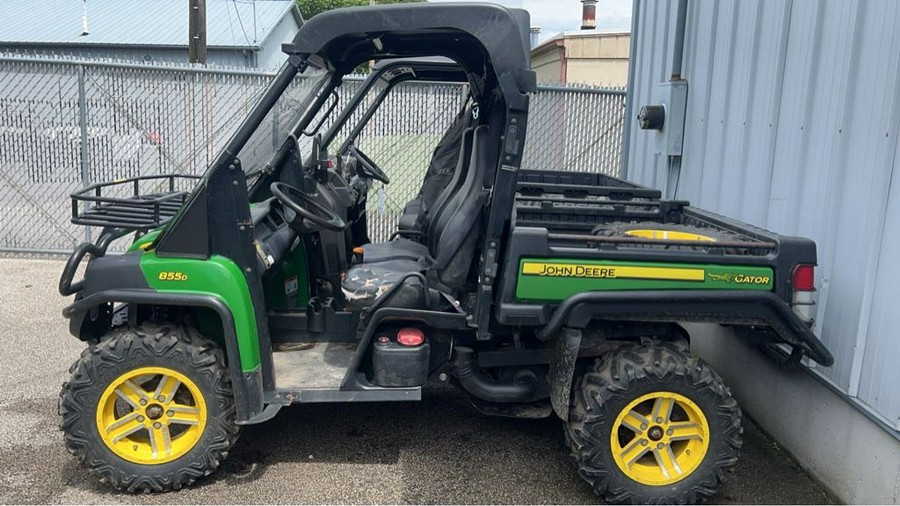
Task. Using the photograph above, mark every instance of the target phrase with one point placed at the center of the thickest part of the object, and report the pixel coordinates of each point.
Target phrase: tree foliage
(310, 8)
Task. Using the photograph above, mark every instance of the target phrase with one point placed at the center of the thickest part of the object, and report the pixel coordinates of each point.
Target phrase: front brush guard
(66, 286)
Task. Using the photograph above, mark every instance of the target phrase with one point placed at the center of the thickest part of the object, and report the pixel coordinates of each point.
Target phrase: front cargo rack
(131, 209)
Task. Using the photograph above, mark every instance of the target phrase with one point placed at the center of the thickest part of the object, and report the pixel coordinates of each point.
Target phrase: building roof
(578, 33)
(142, 23)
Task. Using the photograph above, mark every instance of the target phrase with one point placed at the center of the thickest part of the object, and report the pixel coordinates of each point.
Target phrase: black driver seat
(452, 244)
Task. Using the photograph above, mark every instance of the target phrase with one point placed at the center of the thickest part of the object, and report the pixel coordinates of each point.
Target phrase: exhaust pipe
(487, 389)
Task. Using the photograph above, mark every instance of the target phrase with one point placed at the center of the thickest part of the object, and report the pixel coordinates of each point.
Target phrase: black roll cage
(391, 73)
(490, 45)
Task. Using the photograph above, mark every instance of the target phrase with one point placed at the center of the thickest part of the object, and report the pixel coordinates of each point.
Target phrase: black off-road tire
(152, 344)
(621, 377)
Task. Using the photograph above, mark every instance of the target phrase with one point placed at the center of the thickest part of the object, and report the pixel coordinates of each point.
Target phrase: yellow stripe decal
(567, 270)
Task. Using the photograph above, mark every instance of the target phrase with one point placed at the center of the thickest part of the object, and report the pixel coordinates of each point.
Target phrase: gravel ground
(436, 451)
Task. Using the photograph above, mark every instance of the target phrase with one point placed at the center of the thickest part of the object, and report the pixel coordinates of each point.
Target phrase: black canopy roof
(474, 34)
(433, 68)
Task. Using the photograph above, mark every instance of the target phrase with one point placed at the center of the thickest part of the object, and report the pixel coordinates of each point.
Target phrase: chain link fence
(67, 124)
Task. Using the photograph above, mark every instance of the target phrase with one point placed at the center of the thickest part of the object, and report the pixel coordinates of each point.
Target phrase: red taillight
(410, 336)
(804, 278)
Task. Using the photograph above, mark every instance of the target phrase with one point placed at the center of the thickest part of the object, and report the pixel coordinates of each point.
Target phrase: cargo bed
(589, 246)
(597, 210)
(598, 219)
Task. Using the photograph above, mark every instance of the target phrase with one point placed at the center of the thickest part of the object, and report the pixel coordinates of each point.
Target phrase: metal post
(630, 95)
(678, 50)
(197, 31)
(673, 174)
(85, 154)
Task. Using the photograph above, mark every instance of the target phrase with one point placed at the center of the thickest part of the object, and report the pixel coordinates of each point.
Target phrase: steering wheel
(310, 211)
(369, 168)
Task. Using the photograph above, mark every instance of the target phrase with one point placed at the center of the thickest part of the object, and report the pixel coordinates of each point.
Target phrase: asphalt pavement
(437, 451)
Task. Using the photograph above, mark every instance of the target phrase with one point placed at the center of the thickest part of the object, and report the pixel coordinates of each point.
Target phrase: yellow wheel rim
(660, 438)
(151, 415)
(670, 235)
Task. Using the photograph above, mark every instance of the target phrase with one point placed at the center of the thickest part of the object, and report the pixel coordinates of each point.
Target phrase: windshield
(281, 120)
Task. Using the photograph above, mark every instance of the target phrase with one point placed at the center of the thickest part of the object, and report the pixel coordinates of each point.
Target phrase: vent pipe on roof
(535, 36)
(84, 23)
(588, 14)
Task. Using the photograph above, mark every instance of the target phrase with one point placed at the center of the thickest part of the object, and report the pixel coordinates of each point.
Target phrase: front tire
(651, 424)
(149, 409)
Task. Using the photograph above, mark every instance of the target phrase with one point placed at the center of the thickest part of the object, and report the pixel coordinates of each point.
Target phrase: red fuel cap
(410, 336)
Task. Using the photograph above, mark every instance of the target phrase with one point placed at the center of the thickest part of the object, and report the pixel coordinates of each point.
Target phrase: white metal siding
(792, 124)
(229, 23)
(270, 56)
(229, 57)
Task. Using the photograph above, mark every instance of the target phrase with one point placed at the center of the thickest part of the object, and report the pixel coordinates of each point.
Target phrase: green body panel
(552, 279)
(218, 276)
(288, 286)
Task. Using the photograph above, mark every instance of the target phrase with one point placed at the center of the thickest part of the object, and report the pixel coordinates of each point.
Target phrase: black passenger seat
(452, 243)
(445, 173)
(405, 248)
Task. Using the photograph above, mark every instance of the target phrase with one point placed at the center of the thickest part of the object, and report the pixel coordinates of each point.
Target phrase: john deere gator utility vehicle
(538, 292)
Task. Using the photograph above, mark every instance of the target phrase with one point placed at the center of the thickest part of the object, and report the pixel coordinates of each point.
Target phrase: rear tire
(149, 409)
(625, 389)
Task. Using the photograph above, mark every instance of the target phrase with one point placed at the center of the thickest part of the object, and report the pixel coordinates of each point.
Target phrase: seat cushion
(365, 282)
(399, 249)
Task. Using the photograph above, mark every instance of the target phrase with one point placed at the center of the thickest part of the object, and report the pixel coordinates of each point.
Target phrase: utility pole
(371, 62)
(197, 31)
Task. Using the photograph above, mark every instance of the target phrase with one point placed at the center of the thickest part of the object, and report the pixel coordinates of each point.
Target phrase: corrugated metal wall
(792, 124)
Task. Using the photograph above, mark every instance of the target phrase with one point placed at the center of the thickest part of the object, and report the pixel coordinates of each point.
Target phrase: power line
(230, 22)
(240, 22)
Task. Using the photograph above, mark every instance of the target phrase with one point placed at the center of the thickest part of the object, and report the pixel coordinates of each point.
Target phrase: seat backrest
(454, 238)
(444, 162)
(428, 216)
